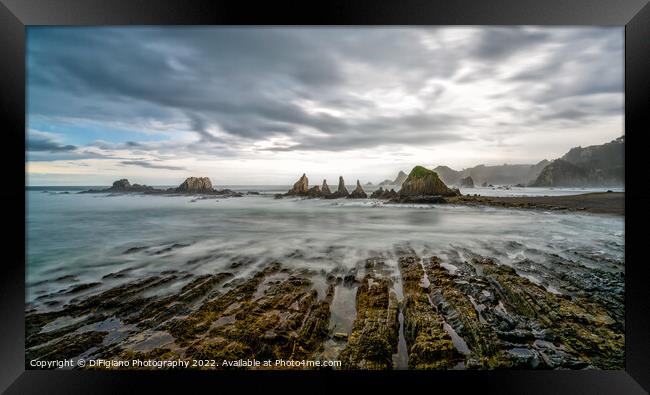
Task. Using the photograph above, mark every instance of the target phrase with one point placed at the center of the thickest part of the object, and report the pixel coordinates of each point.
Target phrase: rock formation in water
(377, 194)
(325, 189)
(123, 185)
(392, 194)
(191, 186)
(341, 192)
(195, 185)
(300, 187)
(358, 193)
(382, 193)
(467, 182)
(423, 182)
(314, 192)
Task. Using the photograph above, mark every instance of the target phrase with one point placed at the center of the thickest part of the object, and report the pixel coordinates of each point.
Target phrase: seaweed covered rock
(375, 331)
(300, 187)
(459, 310)
(195, 185)
(285, 321)
(583, 328)
(425, 182)
(429, 345)
(358, 192)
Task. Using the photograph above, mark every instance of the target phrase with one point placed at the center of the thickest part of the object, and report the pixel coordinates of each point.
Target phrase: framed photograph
(282, 197)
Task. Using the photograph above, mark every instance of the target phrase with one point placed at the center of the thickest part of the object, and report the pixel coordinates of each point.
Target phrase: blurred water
(86, 235)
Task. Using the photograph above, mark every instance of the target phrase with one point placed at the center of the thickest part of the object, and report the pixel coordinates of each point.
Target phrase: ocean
(81, 238)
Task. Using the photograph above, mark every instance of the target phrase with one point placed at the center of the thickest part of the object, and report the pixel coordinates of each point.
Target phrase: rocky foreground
(463, 311)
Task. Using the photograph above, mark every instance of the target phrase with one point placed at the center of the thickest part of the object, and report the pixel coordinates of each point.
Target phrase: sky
(262, 106)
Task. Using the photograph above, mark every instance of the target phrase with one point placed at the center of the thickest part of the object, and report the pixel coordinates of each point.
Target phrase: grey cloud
(247, 82)
(150, 165)
(498, 43)
(43, 143)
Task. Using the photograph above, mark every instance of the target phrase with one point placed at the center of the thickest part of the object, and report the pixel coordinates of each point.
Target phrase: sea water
(77, 238)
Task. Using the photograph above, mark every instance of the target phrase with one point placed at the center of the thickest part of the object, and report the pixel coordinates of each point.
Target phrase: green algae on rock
(584, 328)
(429, 345)
(455, 304)
(374, 336)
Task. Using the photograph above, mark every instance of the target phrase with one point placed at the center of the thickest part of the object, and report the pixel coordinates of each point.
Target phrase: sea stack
(195, 185)
(424, 186)
(325, 189)
(342, 191)
(300, 187)
(358, 193)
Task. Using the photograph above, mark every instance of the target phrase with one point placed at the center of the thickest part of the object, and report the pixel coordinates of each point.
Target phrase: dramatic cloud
(199, 98)
(149, 165)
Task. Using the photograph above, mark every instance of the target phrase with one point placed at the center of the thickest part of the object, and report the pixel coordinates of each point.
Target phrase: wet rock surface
(451, 310)
(374, 336)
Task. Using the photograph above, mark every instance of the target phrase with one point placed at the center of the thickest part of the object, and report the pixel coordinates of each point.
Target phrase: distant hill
(501, 174)
(595, 165)
(401, 177)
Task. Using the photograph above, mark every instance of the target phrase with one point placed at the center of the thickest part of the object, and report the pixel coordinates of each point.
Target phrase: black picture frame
(15, 15)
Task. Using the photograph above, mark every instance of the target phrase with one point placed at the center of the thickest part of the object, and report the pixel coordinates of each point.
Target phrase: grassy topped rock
(425, 182)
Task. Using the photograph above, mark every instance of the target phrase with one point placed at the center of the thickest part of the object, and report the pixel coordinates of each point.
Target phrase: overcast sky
(263, 105)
